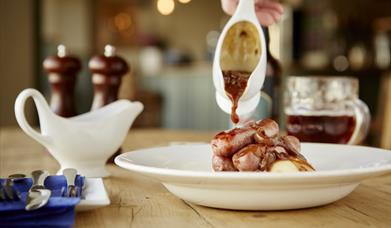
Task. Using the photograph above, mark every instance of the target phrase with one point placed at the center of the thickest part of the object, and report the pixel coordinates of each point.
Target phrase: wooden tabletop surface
(137, 201)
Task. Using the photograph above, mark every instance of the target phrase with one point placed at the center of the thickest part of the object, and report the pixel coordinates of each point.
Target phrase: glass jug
(325, 109)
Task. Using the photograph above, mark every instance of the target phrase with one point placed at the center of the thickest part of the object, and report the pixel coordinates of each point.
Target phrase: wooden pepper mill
(62, 72)
(107, 72)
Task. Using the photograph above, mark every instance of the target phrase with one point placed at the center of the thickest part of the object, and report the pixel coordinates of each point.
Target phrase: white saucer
(185, 170)
(94, 195)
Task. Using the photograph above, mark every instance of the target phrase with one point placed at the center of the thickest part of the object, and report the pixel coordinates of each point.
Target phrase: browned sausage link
(253, 124)
(267, 160)
(268, 128)
(227, 143)
(279, 151)
(220, 163)
(292, 145)
(266, 141)
(248, 158)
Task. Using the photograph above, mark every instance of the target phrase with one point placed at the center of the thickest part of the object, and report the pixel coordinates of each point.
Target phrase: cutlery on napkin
(70, 175)
(58, 212)
(38, 195)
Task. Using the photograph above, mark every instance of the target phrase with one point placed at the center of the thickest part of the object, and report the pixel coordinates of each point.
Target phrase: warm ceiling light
(165, 7)
(122, 21)
(184, 1)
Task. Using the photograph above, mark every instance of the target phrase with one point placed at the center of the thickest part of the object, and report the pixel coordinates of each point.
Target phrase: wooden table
(141, 202)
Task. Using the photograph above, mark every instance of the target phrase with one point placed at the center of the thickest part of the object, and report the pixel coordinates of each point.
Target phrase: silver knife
(38, 195)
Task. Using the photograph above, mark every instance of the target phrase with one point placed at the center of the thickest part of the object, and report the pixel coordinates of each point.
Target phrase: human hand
(267, 11)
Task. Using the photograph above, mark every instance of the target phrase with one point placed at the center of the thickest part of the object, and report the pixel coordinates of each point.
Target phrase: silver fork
(7, 190)
(2, 194)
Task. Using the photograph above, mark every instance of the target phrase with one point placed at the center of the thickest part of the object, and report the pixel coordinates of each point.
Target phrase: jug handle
(39, 101)
(245, 7)
(362, 118)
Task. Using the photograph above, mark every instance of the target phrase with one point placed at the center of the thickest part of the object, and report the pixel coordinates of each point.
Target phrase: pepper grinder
(62, 72)
(107, 72)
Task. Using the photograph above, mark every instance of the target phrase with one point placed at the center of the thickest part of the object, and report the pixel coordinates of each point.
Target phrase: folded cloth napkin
(58, 212)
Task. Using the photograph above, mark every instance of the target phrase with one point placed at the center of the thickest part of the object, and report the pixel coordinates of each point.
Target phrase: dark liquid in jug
(324, 128)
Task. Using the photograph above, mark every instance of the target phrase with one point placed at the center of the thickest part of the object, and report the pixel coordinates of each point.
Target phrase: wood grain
(137, 201)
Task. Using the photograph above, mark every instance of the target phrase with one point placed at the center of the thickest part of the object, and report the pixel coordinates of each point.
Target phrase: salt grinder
(62, 73)
(107, 72)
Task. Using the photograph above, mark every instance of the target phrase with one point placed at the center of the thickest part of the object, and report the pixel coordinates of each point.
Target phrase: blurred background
(169, 45)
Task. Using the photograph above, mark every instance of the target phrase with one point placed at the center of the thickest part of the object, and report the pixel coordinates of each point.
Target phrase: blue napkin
(58, 212)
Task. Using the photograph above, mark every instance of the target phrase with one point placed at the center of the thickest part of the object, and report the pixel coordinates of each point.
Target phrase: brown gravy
(235, 83)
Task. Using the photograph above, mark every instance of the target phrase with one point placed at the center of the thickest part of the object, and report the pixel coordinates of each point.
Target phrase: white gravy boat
(230, 57)
(83, 142)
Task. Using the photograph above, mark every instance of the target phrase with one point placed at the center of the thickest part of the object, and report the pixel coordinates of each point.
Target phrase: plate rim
(123, 162)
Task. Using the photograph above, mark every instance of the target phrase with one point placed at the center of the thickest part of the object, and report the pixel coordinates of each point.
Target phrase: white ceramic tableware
(94, 195)
(236, 55)
(83, 142)
(185, 170)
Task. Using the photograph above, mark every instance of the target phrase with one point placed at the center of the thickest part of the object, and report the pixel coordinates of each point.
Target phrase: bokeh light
(165, 7)
(184, 1)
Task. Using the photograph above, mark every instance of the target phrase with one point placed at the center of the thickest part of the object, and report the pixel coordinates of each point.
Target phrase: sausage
(291, 143)
(267, 141)
(267, 128)
(226, 143)
(279, 151)
(267, 160)
(248, 158)
(267, 132)
(220, 163)
(255, 147)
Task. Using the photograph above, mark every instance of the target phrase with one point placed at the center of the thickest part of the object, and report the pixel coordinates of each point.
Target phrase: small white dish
(95, 195)
(185, 170)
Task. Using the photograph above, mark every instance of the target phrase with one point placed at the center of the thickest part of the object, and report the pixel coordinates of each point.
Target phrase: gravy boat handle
(40, 103)
(245, 9)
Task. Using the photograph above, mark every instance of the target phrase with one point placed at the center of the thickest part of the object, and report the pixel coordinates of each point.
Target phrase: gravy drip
(235, 82)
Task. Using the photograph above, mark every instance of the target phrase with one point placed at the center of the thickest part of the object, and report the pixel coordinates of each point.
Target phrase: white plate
(95, 195)
(185, 170)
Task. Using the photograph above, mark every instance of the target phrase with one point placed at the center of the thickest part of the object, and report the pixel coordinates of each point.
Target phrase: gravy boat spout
(241, 47)
(83, 142)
